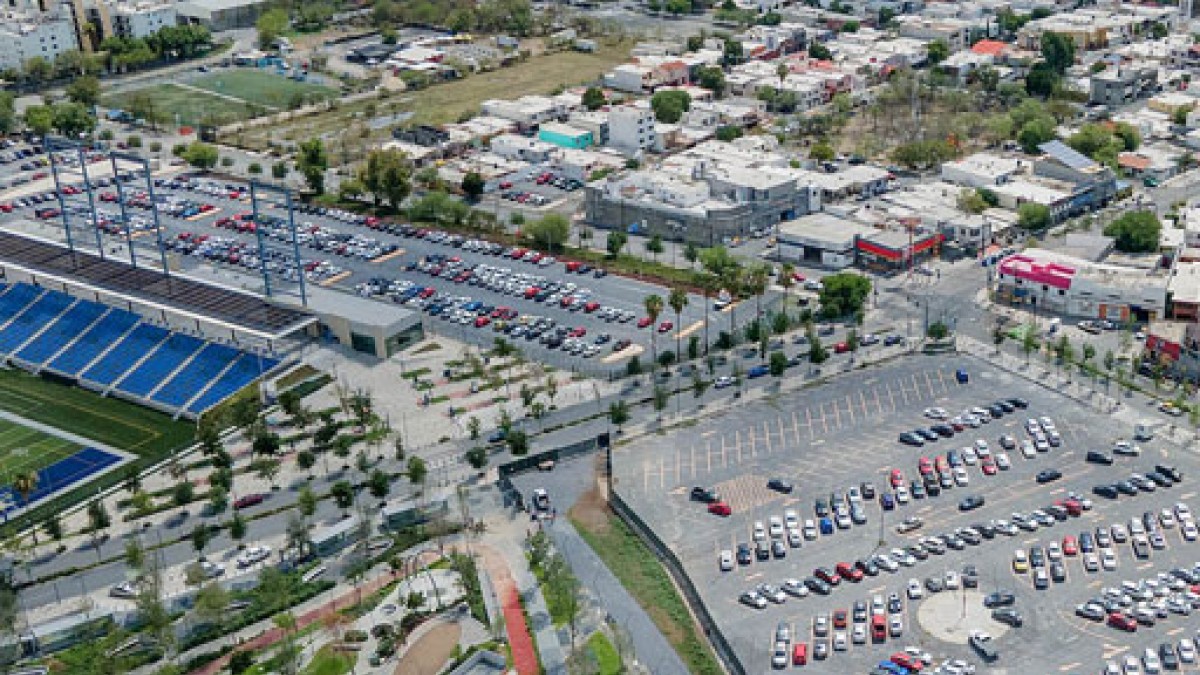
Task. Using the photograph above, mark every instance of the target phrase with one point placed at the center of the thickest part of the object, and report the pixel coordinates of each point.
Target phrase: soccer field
(262, 87)
(190, 106)
(110, 421)
(23, 449)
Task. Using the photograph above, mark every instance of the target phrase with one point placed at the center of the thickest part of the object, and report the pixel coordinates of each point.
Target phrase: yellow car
(1020, 562)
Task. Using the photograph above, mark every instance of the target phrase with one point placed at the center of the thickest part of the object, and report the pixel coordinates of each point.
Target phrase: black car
(744, 556)
(821, 508)
(1090, 611)
(1018, 402)
(1169, 471)
(1009, 616)
(1126, 487)
(927, 434)
(996, 411)
(868, 490)
(932, 488)
(780, 485)
(868, 567)
(1141, 549)
(1087, 543)
(1005, 406)
(911, 438)
(762, 551)
(706, 495)
(1159, 479)
(970, 503)
(817, 586)
(943, 430)
(999, 599)
(1008, 442)
(860, 611)
(1166, 652)
(778, 550)
(1058, 572)
(1097, 457)
(1048, 475)
(1037, 557)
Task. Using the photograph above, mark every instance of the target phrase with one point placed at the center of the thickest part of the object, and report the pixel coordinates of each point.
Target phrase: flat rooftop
(172, 293)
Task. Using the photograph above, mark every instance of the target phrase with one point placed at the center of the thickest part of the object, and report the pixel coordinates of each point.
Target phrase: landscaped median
(641, 574)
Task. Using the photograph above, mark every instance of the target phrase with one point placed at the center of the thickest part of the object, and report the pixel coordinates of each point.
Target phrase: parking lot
(577, 316)
(838, 436)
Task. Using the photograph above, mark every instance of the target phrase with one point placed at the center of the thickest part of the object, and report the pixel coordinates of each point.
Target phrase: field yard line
(227, 97)
(66, 435)
(34, 402)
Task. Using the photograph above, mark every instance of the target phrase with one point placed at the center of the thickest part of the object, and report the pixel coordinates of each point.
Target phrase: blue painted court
(61, 475)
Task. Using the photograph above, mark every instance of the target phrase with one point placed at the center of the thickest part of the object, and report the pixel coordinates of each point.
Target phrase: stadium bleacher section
(113, 350)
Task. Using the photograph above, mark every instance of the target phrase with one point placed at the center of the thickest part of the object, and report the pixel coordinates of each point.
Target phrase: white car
(791, 520)
(779, 655)
(915, 590)
(1054, 551)
(253, 555)
(1183, 511)
(951, 580)
(1188, 530)
(960, 476)
(810, 529)
(936, 413)
(1187, 650)
(1002, 461)
(726, 560)
(1151, 662)
(981, 448)
(902, 495)
(1126, 448)
(1027, 449)
(858, 635)
(760, 531)
(840, 642)
(1167, 518)
(1091, 561)
(1108, 559)
(794, 587)
(776, 527)
(896, 626)
(968, 456)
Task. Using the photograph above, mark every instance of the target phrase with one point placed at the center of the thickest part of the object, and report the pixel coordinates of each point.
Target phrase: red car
(719, 509)
(7, 208)
(841, 348)
(567, 300)
(665, 326)
(517, 253)
(643, 322)
(577, 332)
(1070, 547)
(591, 307)
(428, 292)
(505, 184)
(941, 464)
(532, 291)
(925, 466)
(1073, 507)
(247, 501)
(905, 660)
(878, 628)
(897, 478)
(482, 321)
(840, 619)
(827, 576)
(1123, 622)
(989, 466)
(849, 572)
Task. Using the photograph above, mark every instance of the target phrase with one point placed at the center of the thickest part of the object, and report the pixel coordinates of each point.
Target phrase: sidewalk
(520, 641)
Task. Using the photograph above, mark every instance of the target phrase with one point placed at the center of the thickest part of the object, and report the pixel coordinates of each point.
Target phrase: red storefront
(893, 250)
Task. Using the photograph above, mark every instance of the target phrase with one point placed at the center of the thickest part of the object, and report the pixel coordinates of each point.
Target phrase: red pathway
(519, 640)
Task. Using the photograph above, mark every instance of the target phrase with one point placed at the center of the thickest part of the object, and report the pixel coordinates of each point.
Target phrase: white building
(138, 20)
(527, 110)
(1077, 287)
(982, 170)
(26, 35)
(631, 129)
(513, 146)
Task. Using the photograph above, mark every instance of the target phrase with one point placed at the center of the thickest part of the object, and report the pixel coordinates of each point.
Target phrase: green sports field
(188, 106)
(110, 421)
(262, 87)
(23, 449)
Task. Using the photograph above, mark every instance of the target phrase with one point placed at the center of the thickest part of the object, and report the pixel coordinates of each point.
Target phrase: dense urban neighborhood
(426, 337)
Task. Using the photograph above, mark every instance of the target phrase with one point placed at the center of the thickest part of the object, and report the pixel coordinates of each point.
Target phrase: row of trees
(515, 17)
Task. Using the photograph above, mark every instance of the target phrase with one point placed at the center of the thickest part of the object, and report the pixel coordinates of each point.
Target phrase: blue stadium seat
(37, 316)
(203, 369)
(92, 343)
(15, 300)
(170, 355)
(140, 342)
(244, 371)
(69, 326)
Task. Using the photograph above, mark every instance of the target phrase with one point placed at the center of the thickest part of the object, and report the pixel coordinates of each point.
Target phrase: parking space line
(929, 384)
(808, 417)
(824, 424)
(662, 472)
(850, 408)
(782, 437)
(767, 434)
(693, 463)
(753, 442)
(724, 454)
(737, 444)
(837, 414)
(862, 398)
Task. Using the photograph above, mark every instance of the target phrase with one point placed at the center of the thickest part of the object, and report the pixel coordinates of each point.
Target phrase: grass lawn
(108, 420)
(262, 87)
(645, 579)
(189, 106)
(329, 662)
(607, 658)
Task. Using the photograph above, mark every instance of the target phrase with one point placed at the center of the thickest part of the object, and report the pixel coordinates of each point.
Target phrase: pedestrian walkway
(520, 641)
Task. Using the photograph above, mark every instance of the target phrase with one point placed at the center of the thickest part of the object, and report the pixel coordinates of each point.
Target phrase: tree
(84, 91)
(937, 51)
(473, 427)
(593, 98)
(477, 457)
(39, 119)
(517, 441)
(843, 294)
(615, 242)
(218, 500)
(618, 413)
(1033, 217)
(25, 484)
(73, 120)
(417, 470)
(654, 246)
(778, 364)
(237, 528)
(265, 444)
(472, 185)
(37, 70)
(182, 493)
(819, 51)
(8, 112)
(937, 331)
(343, 494)
(712, 78)
(669, 105)
(821, 151)
(266, 468)
(1058, 50)
(52, 526)
(677, 300)
(271, 25)
(201, 155)
(1136, 232)
(1041, 79)
(379, 483)
(200, 537)
(653, 305)
(211, 603)
(550, 231)
(970, 201)
(1035, 132)
(312, 163)
(135, 555)
(279, 170)
(306, 502)
(729, 132)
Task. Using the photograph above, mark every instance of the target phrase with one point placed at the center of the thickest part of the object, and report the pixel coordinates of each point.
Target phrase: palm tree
(502, 349)
(708, 284)
(732, 279)
(677, 299)
(25, 484)
(654, 306)
(756, 283)
(787, 280)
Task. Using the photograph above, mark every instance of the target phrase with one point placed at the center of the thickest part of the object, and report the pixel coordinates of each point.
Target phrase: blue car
(961, 375)
(893, 668)
(826, 525)
(887, 501)
(758, 371)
